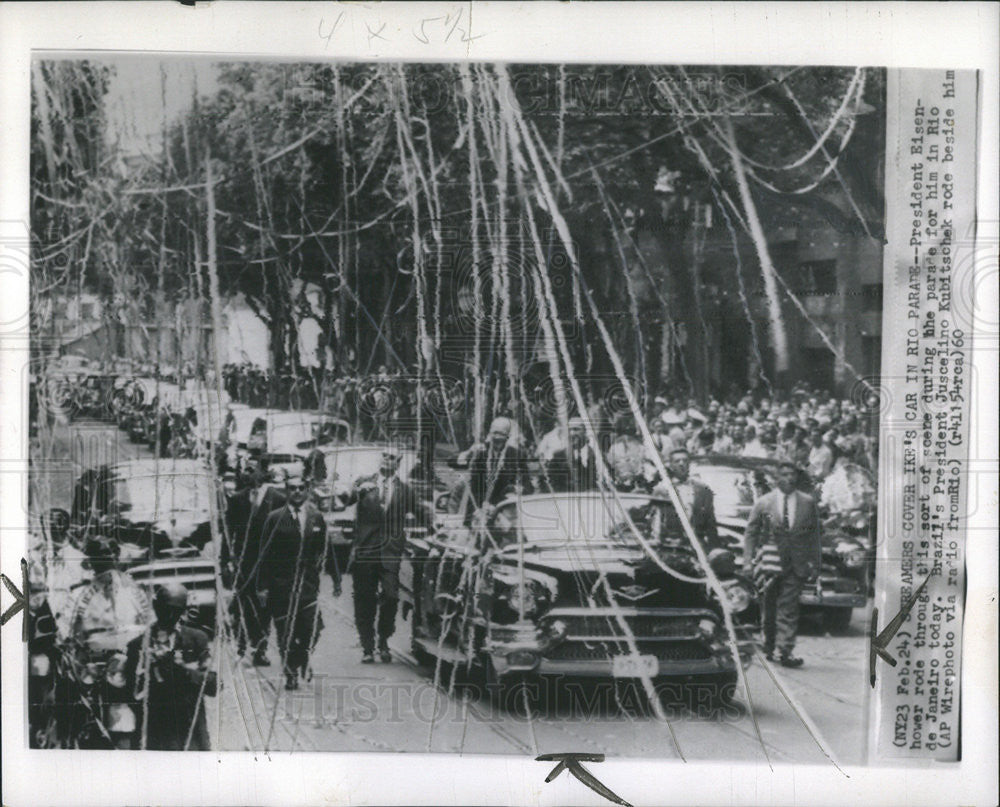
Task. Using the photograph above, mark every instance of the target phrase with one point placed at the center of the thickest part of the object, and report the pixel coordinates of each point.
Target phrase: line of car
(553, 584)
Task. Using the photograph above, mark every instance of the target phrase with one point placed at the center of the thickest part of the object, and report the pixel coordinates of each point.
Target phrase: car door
(439, 577)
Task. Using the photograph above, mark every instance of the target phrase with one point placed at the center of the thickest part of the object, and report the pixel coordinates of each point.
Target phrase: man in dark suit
(785, 523)
(496, 469)
(245, 516)
(294, 552)
(573, 469)
(697, 498)
(386, 506)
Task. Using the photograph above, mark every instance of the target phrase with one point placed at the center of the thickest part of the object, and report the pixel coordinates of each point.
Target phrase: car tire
(837, 620)
(421, 656)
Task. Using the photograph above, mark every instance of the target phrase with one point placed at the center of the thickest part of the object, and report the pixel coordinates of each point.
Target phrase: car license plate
(644, 666)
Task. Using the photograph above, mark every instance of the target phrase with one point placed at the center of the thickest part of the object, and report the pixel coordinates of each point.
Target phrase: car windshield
(303, 432)
(345, 465)
(591, 518)
(164, 492)
(735, 488)
(287, 431)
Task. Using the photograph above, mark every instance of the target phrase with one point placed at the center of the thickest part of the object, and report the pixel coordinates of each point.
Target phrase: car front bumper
(670, 646)
(833, 592)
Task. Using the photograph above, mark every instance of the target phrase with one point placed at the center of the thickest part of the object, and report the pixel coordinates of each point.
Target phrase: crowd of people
(276, 548)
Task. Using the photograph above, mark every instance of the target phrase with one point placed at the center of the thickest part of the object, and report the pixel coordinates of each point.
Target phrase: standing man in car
(782, 552)
(696, 497)
(386, 506)
(496, 468)
(573, 469)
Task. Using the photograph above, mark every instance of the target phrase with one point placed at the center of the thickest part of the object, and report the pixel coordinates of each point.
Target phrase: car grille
(643, 626)
(839, 585)
(600, 651)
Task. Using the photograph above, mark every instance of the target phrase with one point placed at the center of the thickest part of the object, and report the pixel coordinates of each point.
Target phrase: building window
(871, 349)
(817, 277)
(871, 297)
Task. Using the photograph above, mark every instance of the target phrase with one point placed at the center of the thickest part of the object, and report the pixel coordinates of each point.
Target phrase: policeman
(169, 666)
(112, 609)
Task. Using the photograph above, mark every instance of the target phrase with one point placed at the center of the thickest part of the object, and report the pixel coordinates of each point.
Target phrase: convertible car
(578, 584)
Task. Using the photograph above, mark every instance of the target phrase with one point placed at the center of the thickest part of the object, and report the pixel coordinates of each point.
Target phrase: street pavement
(350, 706)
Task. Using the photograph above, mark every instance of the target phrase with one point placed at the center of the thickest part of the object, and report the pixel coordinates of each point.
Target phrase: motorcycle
(102, 711)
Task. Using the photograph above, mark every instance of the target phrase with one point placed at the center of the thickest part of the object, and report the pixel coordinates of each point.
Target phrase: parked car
(737, 482)
(284, 437)
(162, 514)
(160, 504)
(550, 585)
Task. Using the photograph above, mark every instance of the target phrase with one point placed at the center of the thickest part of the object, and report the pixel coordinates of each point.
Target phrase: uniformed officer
(169, 666)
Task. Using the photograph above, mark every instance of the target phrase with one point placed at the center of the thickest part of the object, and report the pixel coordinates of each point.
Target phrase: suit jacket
(245, 528)
(511, 470)
(800, 545)
(567, 473)
(380, 526)
(290, 559)
(702, 515)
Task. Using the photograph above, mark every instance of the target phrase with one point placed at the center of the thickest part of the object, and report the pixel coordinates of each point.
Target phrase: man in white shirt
(575, 468)
(783, 523)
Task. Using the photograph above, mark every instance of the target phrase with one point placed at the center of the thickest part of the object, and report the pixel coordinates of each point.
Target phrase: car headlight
(738, 595)
(121, 718)
(40, 665)
(854, 558)
(537, 597)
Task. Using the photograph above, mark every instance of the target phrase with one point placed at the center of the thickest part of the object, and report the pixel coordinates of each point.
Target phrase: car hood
(569, 556)
(612, 559)
(580, 575)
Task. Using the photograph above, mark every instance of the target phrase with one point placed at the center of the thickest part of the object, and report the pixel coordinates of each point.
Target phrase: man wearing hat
(496, 469)
(294, 552)
(782, 550)
(112, 609)
(169, 664)
(386, 506)
(246, 513)
(574, 468)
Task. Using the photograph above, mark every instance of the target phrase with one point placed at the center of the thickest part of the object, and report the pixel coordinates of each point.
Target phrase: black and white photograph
(456, 406)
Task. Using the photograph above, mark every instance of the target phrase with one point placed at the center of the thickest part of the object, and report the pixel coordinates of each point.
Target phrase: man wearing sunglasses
(295, 551)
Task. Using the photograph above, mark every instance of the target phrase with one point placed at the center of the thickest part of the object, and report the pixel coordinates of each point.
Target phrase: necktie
(784, 512)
